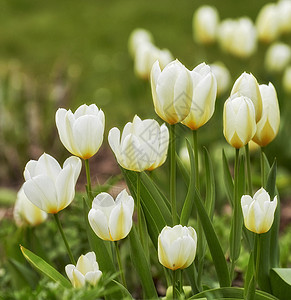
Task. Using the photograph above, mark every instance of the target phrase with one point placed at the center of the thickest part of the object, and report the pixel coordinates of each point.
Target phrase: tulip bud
(287, 80)
(82, 132)
(247, 85)
(172, 91)
(86, 271)
(268, 126)
(284, 11)
(205, 23)
(258, 212)
(26, 213)
(203, 97)
(48, 186)
(277, 57)
(111, 220)
(225, 34)
(143, 144)
(177, 247)
(222, 76)
(239, 125)
(146, 55)
(268, 22)
(138, 37)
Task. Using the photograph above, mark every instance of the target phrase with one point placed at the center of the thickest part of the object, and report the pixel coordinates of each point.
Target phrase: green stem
(263, 182)
(89, 188)
(138, 204)
(174, 284)
(248, 159)
(119, 264)
(56, 216)
(196, 158)
(173, 174)
(236, 211)
(258, 242)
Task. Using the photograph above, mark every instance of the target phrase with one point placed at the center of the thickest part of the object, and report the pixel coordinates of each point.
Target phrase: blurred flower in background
(287, 80)
(222, 76)
(277, 57)
(137, 37)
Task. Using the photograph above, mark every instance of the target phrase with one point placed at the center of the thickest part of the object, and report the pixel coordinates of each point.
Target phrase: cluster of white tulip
(251, 112)
(145, 53)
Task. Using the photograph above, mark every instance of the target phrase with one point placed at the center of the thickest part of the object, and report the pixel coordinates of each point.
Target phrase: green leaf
(141, 265)
(188, 203)
(228, 181)
(183, 170)
(45, 268)
(213, 243)
(281, 282)
(250, 272)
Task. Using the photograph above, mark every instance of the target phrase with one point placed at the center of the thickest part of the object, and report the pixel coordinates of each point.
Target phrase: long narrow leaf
(45, 268)
(228, 181)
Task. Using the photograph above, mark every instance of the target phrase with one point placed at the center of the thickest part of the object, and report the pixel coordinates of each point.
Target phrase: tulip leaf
(210, 183)
(281, 282)
(45, 268)
(213, 242)
(249, 284)
(188, 203)
(141, 265)
(231, 293)
(183, 170)
(228, 181)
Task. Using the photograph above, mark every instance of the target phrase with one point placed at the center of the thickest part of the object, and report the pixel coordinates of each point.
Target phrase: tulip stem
(56, 216)
(119, 264)
(89, 188)
(138, 204)
(173, 174)
(258, 242)
(174, 284)
(248, 159)
(263, 183)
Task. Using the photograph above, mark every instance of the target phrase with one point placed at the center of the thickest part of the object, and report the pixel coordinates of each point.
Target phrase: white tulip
(111, 220)
(239, 125)
(172, 91)
(205, 23)
(247, 85)
(26, 213)
(277, 57)
(48, 186)
(86, 271)
(268, 23)
(143, 144)
(284, 12)
(268, 126)
(222, 76)
(203, 97)
(81, 132)
(258, 212)
(138, 37)
(177, 247)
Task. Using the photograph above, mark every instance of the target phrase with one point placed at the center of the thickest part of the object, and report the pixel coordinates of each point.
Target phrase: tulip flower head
(284, 11)
(258, 212)
(172, 91)
(205, 23)
(239, 125)
(111, 220)
(247, 85)
(81, 132)
(177, 247)
(85, 271)
(48, 186)
(143, 144)
(26, 213)
(268, 126)
(222, 76)
(203, 97)
(277, 57)
(137, 37)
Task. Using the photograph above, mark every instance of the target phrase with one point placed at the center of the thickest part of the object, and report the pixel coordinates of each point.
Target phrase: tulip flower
(26, 213)
(172, 91)
(277, 57)
(222, 76)
(85, 271)
(239, 125)
(48, 186)
(287, 80)
(247, 85)
(137, 37)
(177, 247)
(268, 126)
(284, 12)
(81, 132)
(143, 144)
(268, 23)
(205, 23)
(203, 98)
(258, 212)
(111, 220)
(145, 56)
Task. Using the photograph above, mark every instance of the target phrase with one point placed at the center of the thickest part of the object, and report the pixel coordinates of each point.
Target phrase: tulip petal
(99, 223)
(114, 140)
(78, 278)
(93, 277)
(69, 271)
